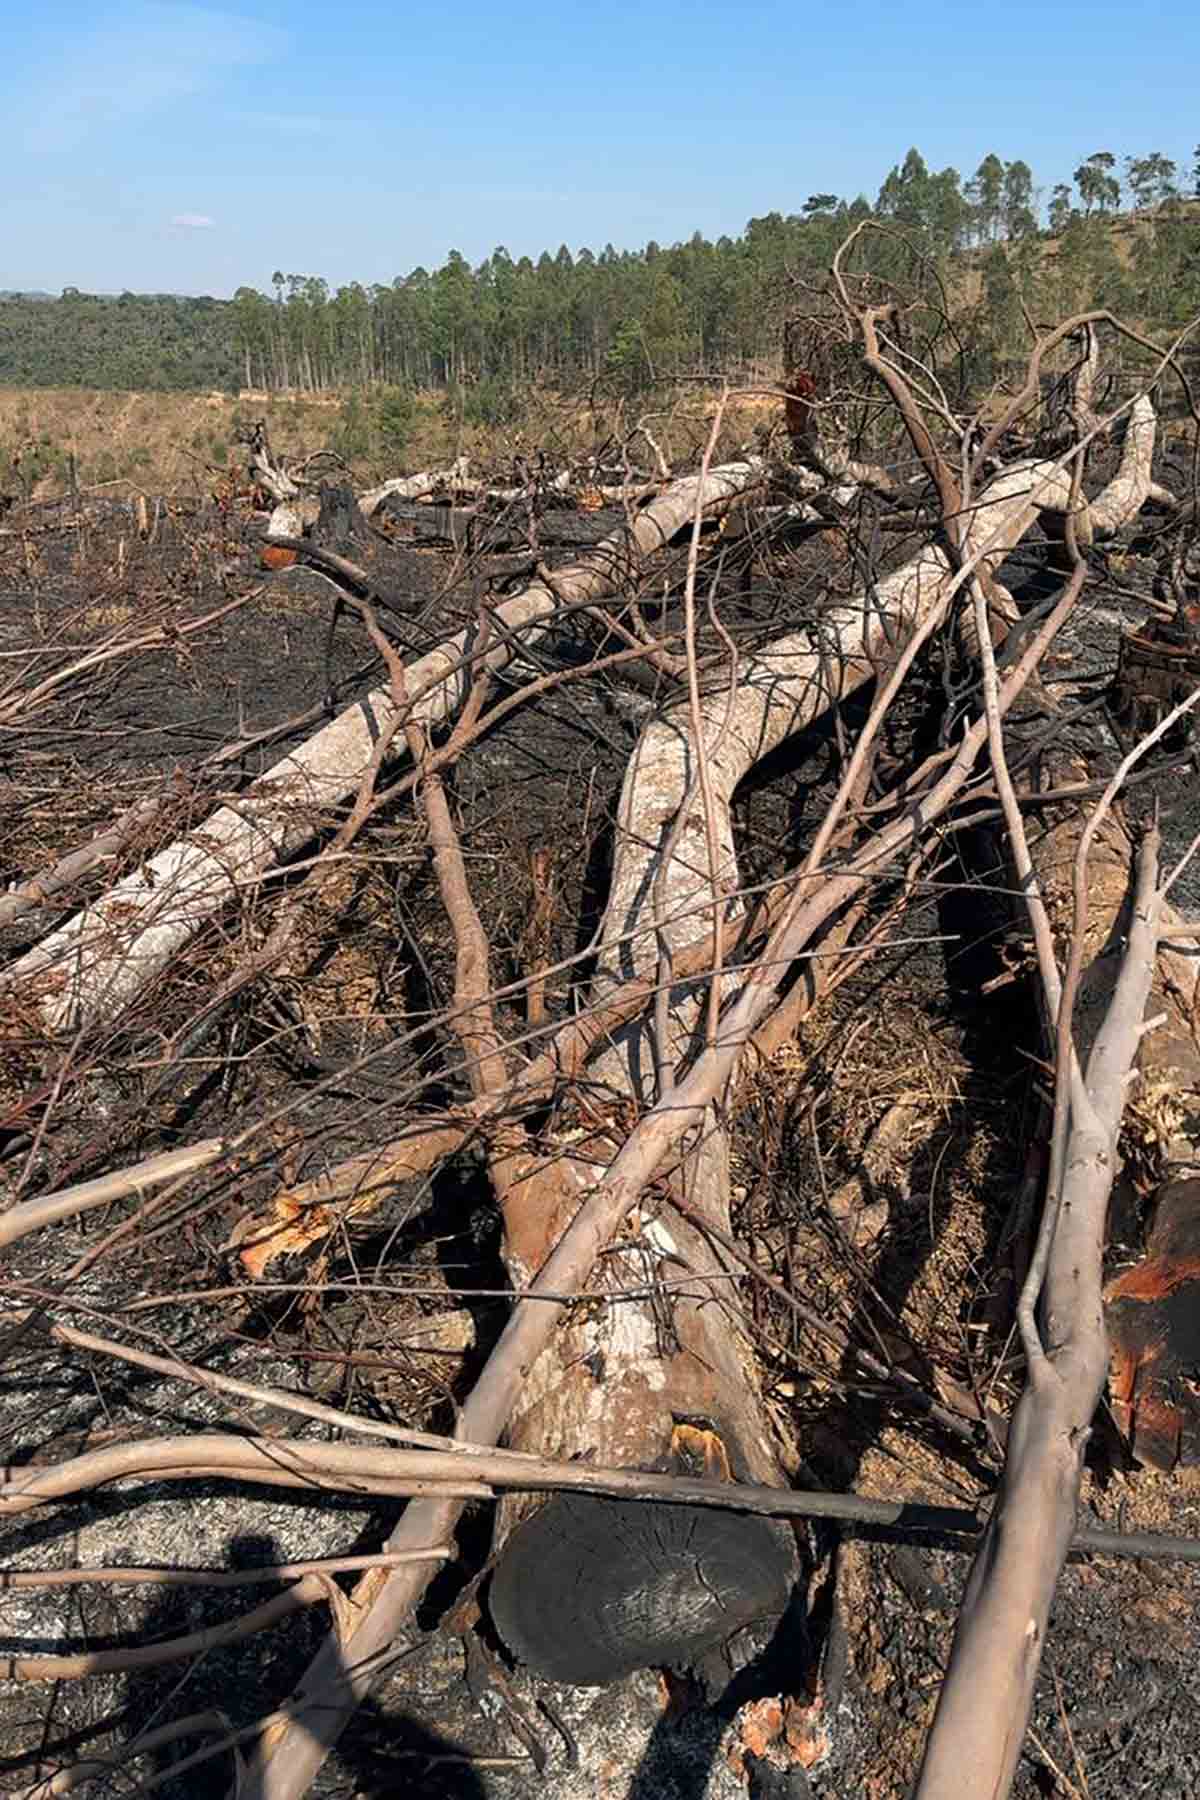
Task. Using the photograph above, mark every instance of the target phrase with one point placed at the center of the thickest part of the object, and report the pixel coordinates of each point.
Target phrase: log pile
(628, 1345)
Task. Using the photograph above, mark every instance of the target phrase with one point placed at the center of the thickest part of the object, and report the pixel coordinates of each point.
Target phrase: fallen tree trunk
(292, 1750)
(614, 1380)
(1097, 1038)
(95, 964)
(415, 487)
(456, 480)
(666, 1342)
(782, 690)
(655, 1371)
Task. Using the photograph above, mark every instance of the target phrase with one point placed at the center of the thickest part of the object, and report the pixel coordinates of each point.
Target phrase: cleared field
(180, 443)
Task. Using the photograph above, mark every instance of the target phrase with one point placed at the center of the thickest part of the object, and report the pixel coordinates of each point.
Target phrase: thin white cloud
(295, 124)
(136, 60)
(193, 222)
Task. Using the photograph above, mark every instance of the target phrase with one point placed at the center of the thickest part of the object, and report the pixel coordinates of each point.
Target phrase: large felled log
(619, 1377)
(415, 487)
(425, 520)
(652, 1372)
(790, 683)
(105, 955)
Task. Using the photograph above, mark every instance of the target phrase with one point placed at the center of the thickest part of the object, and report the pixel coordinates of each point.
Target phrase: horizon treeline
(634, 317)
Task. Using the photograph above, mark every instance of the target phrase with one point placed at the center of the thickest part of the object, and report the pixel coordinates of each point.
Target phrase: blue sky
(188, 148)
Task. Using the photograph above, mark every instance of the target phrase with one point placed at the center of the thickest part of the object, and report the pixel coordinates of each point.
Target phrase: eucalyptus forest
(635, 316)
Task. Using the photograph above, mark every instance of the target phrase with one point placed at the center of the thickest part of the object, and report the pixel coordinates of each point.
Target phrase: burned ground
(906, 1092)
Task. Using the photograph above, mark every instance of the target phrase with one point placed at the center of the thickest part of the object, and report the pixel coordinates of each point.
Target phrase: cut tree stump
(342, 528)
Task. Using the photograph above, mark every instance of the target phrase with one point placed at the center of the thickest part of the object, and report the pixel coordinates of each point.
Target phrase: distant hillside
(125, 341)
(485, 335)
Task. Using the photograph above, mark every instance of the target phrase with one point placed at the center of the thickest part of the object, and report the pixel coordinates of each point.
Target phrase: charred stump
(345, 544)
(341, 527)
(1153, 1311)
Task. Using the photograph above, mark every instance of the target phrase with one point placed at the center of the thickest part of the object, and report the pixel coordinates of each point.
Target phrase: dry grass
(147, 440)
(179, 443)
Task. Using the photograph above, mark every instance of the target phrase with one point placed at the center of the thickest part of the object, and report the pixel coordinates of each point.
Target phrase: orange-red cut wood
(1153, 1315)
(274, 556)
(797, 405)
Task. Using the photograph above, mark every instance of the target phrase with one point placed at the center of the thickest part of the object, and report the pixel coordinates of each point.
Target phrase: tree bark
(414, 487)
(1152, 1305)
(988, 1691)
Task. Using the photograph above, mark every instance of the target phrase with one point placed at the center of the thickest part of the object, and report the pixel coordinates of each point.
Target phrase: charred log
(590, 1589)
(425, 522)
(1159, 667)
